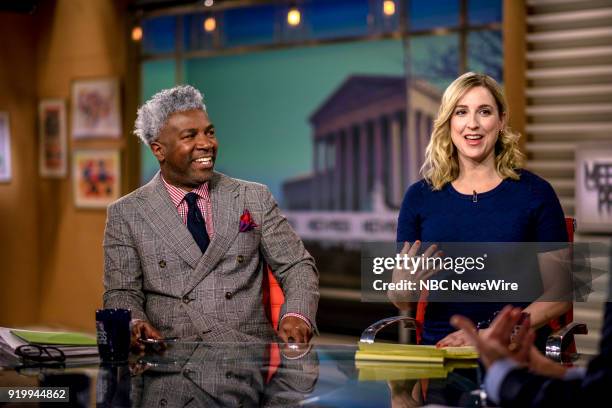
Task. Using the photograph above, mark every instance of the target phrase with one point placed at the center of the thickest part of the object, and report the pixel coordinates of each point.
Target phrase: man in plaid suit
(187, 251)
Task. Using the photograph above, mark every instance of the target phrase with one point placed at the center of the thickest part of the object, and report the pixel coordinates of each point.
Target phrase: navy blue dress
(525, 210)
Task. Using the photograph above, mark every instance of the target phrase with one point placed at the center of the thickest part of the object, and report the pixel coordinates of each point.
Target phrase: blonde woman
(474, 190)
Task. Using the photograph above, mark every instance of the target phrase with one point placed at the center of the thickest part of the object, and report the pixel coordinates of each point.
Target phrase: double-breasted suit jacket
(153, 266)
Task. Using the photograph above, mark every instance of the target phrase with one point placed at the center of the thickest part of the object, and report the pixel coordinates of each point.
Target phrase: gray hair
(152, 116)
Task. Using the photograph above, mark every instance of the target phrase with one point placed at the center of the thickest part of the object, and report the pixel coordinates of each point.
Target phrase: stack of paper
(77, 347)
(386, 361)
(413, 353)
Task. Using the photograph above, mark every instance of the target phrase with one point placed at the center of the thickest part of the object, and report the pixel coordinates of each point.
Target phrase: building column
(349, 177)
(413, 153)
(395, 152)
(363, 167)
(315, 193)
(378, 154)
(330, 160)
(337, 187)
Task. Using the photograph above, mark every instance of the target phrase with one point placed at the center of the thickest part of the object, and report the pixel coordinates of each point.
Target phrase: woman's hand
(403, 299)
(458, 339)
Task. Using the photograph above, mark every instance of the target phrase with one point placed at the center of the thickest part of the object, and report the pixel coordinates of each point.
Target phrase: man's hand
(499, 341)
(294, 330)
(142, 330)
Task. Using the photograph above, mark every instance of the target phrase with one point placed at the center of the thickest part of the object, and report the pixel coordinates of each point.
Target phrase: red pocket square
(246, 222)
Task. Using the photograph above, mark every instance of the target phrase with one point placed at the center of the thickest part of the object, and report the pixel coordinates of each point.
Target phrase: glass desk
(255, 374)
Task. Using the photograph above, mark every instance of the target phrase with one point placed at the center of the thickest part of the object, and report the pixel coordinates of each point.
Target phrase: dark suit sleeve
(524, 389)
(290, 262)
(122, 271)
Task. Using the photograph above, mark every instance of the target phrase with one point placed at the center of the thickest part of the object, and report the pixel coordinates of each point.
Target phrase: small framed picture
(52, 160)
(5, 148)
(594, 186)
(96, 177)
(96, 108)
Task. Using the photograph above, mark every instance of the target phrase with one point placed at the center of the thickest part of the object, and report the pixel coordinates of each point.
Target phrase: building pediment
(361, 91)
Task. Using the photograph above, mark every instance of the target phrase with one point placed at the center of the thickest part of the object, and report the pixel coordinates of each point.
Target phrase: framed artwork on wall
(96, 108)
(96, 177)
(52, 160)
(5, 148)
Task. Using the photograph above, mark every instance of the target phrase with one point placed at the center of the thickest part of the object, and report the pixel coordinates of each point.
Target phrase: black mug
(113, 334)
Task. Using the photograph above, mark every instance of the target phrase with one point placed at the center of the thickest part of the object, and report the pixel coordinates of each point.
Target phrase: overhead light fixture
(137, 33)
(389, 7)
(210, 23)
(294, 16)
(208, 3)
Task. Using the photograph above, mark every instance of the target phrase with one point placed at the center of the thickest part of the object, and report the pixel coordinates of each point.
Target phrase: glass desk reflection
(200, 374)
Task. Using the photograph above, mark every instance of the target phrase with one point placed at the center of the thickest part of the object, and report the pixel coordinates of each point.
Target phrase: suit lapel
(157, 208)
(227, 203)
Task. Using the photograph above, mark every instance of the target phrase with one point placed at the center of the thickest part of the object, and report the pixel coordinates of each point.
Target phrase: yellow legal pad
(413, 353)
(387, 361)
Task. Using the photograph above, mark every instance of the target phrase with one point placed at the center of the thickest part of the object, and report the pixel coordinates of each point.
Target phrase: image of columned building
(365, 142)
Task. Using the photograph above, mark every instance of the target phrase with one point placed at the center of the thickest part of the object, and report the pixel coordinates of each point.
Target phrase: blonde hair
(441, 162)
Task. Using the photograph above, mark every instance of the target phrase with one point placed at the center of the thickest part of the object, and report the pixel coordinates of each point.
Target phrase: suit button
(240, 258)
(228, 295)
(163, 402)
(162, 264)
(186, 299)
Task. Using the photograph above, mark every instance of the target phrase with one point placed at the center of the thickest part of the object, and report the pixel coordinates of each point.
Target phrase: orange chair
(273, 299)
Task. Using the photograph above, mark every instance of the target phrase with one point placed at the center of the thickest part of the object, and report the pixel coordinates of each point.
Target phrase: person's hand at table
(458, 338)
(292, 329)
(403, 299)
(142, 330)
(500, 340)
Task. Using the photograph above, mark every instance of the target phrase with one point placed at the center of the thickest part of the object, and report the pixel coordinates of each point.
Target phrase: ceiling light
(294, 16)
(389, 7)
(210, 24)
(137, 33)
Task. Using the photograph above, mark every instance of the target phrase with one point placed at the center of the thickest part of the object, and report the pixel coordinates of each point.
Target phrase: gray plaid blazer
(153, 266)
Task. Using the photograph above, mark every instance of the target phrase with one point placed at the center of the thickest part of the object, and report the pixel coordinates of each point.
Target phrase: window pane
(485, 53)
(435, 58)
(428, 14)
(484, 11)
(341, 18)
(195, 37)
(249, 25)
(159, 34)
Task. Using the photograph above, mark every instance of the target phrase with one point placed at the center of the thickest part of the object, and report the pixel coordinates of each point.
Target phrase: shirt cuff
(496, 374)
(575, 373)
(299, 316)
